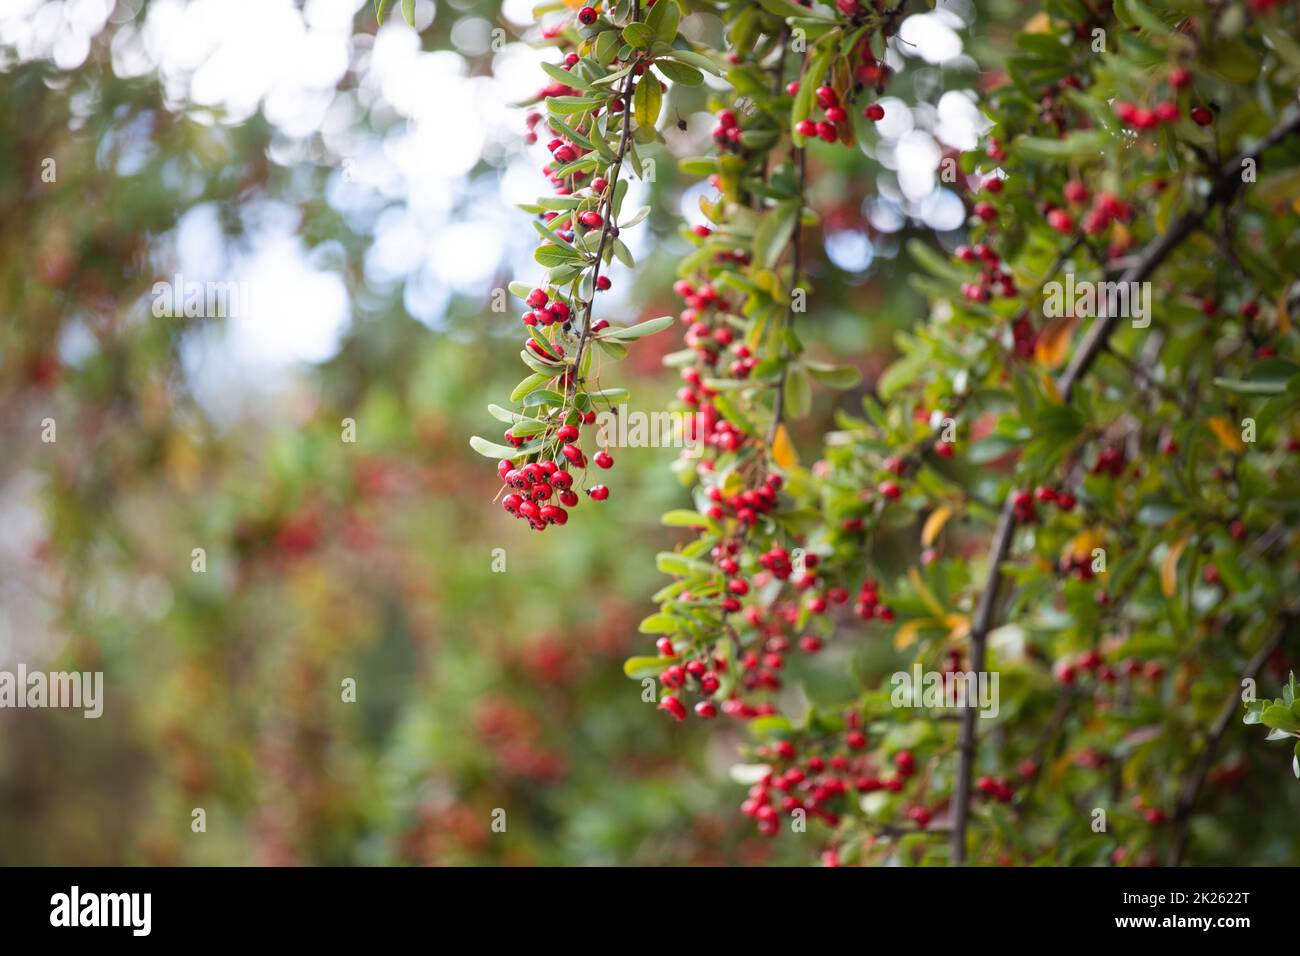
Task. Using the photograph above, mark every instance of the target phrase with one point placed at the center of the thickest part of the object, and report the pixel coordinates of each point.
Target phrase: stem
(607, 217)
(1226, 184)
(778, 410)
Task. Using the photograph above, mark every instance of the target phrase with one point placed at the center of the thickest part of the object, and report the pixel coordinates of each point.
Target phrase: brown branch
(1226, 184)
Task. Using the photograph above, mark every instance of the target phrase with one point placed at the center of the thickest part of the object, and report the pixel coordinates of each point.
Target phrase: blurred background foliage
(325, 559)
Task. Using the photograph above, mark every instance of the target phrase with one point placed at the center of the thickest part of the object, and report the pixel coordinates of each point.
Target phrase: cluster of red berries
(835, 126)
(1024, 503)
(1110, 461)
(868, 606)
(1106, 208)
(996, 787)
(818, 783)
(1145, 118)
(547, 309)
(993, 276)
(1070, 670)
(535, 483)
(745, 506)
(728, 132)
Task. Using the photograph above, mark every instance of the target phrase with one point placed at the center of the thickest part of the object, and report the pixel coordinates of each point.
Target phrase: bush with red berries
(1098, 506)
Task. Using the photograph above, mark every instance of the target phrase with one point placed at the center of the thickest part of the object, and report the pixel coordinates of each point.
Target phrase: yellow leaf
(783, 452)
(926, 594)
(1226, 434)
(934, 524)
(958, 626)
(1038, 23)
(1169, 566)
(905, 636)
(1051, 391)
(1054, 341)
(1083, 543)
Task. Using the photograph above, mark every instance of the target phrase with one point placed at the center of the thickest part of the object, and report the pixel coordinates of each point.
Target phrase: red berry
(598, 492)
(587, 16)
(673, 706)
(1076, 192)
(1060, 220)
(890, 490)
(1179, 78)
(875, 112)
(537, 298)
(1202, 116)
(603, 459)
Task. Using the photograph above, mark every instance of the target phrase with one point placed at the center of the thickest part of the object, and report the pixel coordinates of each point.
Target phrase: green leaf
(646, 101)
(680, 72)
(639, 668)
(606, 48)
(785, 9)
(923, 255)
(408, 11)
(567, 77)
(798, 393)
(1280, 717)
(639, 35)
(492, 450)
(663, 20)
(660, 624)
(614, 350)
(552, 255)
(1081, 144)
(833, 376)
(901, 374)
(681, 518)
(774, 231)
(697, 60)
(669, 562)
(528, 385)
(379, 11)
(640, 330)
(543, 396)
(565, 105)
